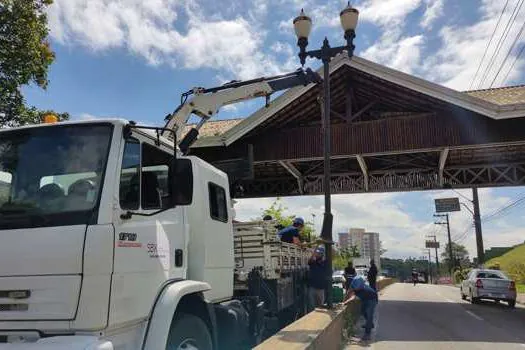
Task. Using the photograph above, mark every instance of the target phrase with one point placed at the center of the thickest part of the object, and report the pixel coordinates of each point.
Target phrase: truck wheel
(189, 332)
(512, 304)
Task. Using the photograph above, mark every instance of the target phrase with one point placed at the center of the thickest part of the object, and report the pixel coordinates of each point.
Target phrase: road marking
(474, 315)
(446, 299)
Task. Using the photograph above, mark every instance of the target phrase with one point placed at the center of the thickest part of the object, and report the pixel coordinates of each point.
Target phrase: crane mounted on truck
(112, 238)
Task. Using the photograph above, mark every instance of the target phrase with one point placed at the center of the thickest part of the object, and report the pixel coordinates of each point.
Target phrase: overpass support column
(442, 160)
(364, 169)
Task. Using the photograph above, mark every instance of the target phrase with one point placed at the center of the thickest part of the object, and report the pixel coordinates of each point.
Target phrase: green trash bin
(337, 294)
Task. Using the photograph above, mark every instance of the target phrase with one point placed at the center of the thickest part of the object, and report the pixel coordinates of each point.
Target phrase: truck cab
(95, 226)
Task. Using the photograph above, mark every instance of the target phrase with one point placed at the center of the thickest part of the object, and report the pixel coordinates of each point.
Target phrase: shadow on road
(422, 321)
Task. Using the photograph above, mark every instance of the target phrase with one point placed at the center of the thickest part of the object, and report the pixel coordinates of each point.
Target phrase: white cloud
(86, 116)
(402, 53)
(433, 11)
(147, 28)
(457, 60)
(387, 12)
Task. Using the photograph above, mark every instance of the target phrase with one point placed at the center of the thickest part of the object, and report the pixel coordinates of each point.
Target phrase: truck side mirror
(181, 181)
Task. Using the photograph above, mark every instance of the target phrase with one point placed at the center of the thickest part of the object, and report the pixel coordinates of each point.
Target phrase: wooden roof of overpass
(390, 132)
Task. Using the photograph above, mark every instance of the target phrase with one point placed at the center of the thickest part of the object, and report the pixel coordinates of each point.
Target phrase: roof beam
(348, 101)
(442, 160)
(363, 110)
(295, 173)
(364, 170)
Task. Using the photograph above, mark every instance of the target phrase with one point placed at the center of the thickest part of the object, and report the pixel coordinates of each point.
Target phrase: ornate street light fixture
(303, 26)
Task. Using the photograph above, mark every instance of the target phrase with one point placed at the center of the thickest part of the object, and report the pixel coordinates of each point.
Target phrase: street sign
(431, 244)
(445, 205)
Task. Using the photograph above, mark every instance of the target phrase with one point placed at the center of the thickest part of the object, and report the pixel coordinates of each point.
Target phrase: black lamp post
(303, 25)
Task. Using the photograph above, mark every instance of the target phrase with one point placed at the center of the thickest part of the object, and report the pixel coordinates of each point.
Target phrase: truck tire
(189, 332)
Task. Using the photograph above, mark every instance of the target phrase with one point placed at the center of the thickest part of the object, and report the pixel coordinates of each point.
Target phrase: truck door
(148, 249)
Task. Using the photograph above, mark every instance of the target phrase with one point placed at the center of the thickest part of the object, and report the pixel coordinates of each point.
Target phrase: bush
(516, 270)
(494, 265)
(460, 275)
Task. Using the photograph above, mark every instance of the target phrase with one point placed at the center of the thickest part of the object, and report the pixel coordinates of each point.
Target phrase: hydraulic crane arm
(205, 103)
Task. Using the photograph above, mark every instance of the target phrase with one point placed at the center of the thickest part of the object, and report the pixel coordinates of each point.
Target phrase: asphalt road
(434, 317)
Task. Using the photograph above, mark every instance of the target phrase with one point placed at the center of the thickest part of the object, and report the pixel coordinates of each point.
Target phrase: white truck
(111, 238)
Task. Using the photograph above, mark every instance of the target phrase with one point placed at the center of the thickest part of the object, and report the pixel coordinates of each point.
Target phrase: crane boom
(205, 103)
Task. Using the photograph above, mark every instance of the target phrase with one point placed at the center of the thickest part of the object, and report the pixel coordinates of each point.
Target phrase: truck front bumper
(62, 343)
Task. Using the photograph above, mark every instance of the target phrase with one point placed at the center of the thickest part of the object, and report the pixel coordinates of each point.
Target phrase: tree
(381, 249)
(459, 253)
(278, 212)
(25, 57)
(342, 257)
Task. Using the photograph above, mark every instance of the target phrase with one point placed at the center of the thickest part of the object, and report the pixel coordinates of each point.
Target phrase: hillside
(512, 262)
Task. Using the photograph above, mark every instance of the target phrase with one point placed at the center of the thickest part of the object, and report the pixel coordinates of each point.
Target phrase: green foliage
(461, 274)
(512, 262)
(460, 254)
(342, 257)
(278, 212)
(402, 268)
(25, 57)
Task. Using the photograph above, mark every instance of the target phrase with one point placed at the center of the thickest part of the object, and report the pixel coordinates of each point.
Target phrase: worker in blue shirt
(318, 278)
(291, 234)
(368, 298)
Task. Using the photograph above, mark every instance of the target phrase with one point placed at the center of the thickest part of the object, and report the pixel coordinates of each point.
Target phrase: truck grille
(15, 294)
(14, 307)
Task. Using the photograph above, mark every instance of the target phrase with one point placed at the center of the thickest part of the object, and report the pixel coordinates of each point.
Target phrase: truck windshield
(52, 176)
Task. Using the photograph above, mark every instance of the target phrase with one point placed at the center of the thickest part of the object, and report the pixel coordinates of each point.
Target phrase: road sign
(431, 244)
(445, 205)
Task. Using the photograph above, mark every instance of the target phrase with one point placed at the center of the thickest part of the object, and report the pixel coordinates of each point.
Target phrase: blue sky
(133, 58)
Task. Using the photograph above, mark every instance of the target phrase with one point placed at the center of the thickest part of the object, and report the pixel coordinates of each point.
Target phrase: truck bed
(256, 245)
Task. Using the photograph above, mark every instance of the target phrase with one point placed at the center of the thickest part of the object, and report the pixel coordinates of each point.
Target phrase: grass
(515, 255)
(510, 259)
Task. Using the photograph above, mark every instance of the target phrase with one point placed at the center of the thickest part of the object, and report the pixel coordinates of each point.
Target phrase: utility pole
(450, 255)
(437, 257)
(427, 250)
(477, 225)
(477, 222)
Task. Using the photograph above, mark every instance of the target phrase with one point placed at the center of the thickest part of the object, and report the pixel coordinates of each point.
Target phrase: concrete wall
(320, 329)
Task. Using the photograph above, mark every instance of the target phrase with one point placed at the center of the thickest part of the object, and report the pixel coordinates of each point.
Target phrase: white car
(338, 277)
(488, 284)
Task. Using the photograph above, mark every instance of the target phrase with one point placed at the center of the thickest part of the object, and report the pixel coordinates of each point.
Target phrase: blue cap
(357, 283)
(298, 221)
(320, 250)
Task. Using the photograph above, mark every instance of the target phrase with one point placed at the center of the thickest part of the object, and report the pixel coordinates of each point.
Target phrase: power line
(488, 45)
(512, 66)
(464, 235)
(510, 24)
(508, 54)
(502, 214)
(509, 205)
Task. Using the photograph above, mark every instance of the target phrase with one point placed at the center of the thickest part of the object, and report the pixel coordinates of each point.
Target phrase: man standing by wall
(372, 275)
(368, 298)
(317, 278)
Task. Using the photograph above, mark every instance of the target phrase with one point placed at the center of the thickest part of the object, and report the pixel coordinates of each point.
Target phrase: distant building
(371, 247)
(355, 238)
(367, 244)
(343, 240)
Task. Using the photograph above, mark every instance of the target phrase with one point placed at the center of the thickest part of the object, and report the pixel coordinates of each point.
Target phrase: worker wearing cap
(368, 298)
(291, 233)
(317, 278)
